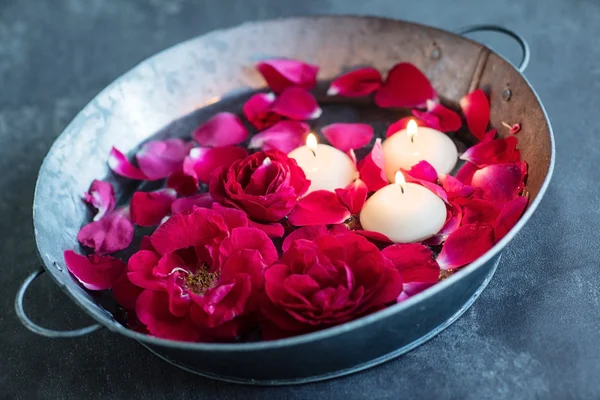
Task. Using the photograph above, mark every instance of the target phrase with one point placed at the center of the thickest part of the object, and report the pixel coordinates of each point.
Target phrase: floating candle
(327, 167)
(413, 144)
(404, 212)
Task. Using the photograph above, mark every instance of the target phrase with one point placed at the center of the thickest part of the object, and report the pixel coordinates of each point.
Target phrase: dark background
(534, 333)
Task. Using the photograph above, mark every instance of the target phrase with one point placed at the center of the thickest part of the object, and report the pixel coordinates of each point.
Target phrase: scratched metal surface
(533, 332)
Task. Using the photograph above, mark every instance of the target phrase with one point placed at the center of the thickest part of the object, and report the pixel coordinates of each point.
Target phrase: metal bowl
(168, 94)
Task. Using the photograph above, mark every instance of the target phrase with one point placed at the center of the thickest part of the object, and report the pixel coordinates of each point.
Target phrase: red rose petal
(360, 82)
(307, 233)
(500, 182)
(273, 229)
(141, 270)
(203, 161)
(476, 108)
(405, 86)
(184, 185)
(496, 151)
(514, 129)
(284, 136)
(376, 236)
(102, 197)
(353, 196)
(510, 214)
(454, 219)
(223, 129)
(160, 158)
(465, 245)
(121, 166)
(283, 73)
(401, 124)
(346, 136)
(257, 110)
(149, 208)
(371, 168)
(248, 238)
(455, 188)
(466, 172)
(423, 171)
(481, 212)
(187, 204)
(296, 103)
(318, 208)
(426, 170)
(439, 117)
(112, 233)
(95, 272)
(125, 292)
(414, 262)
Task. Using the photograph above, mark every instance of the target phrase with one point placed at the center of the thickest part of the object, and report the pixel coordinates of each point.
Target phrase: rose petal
(412, 288)
(371, 168)
(160, 158)
(223, 129)
(500, 182)
(481, 212)
(423, 171)
(346, 136)
(496, 151)
(376, 236)
(465, 245)
(273, 229)
(307, 233)
(284, 136)
(318, 208)
(283, 73)
(248, 238)
(184, 185)
(353, 196)
(95, 272)
(112, 233)
(405, 86)
(414, 262)
(187, 204)
(257, 110)
(445, 120)
(401, 124)
(453, 220)
(360, 82)
(102, 197)
(121, 166)
(454, 188)
(510, 214)
(514, 129)
(149, 208)
(296, 103)
(203, 161)
(125, 292)
(476, 108)
(141, 270)
(466, 172)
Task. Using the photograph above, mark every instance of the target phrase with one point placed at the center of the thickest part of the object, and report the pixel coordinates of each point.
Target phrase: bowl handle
(500, 29)
(33, 327)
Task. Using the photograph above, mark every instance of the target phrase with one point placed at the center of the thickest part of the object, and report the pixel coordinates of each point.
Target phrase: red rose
(266, 185)
(324, 282)
(203, 276)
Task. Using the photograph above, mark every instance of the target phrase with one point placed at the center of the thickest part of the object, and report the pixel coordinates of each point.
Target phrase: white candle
(327, 167)
(404, 212)
(413, 144)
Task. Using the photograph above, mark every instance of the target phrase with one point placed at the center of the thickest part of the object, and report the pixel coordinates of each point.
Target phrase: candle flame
(399, 180)
(411, 129)
(311, 142)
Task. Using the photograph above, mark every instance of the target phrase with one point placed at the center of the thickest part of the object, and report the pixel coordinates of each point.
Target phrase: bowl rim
(102, 317)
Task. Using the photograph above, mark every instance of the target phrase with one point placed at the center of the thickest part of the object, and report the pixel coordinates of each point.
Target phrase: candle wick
(314, 153)
(402, 189)
(412, 138)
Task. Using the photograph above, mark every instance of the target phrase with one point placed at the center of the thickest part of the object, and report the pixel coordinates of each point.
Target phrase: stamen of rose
(202, 280)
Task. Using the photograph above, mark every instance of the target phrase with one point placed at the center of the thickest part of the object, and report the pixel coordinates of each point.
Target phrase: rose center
(201, 280)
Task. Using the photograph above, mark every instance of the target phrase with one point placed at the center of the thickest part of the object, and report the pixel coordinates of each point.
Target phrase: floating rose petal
(257, 110)
(376, 236)
(465, 245)
(284, 136)
(423, 171)
(283, 73)
(307, 232)
(496, 151)
(95, 272)
(102, 197)
(125, 292)
(203, 161)
(149, 208)
(187, 204)
(184, 185)
(121, 166)
(412, 288)
(223, 129)
(414, 262)
(401, 124)
(490, 135)
(500, 182)
(454, 219)
(296, 103)
(360, 82)
(466, 172)
(272, 229)
(353, 196)
(510, 214)
(371, 168)
(318, 208)
(445, 119)
(112, 233)
(476, 108)
(454, 188)
(346, 136)
(480, 212)
(160, 158)
(405, 86)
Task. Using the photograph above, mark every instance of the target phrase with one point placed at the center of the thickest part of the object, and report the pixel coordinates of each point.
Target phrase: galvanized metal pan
(169, 93)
